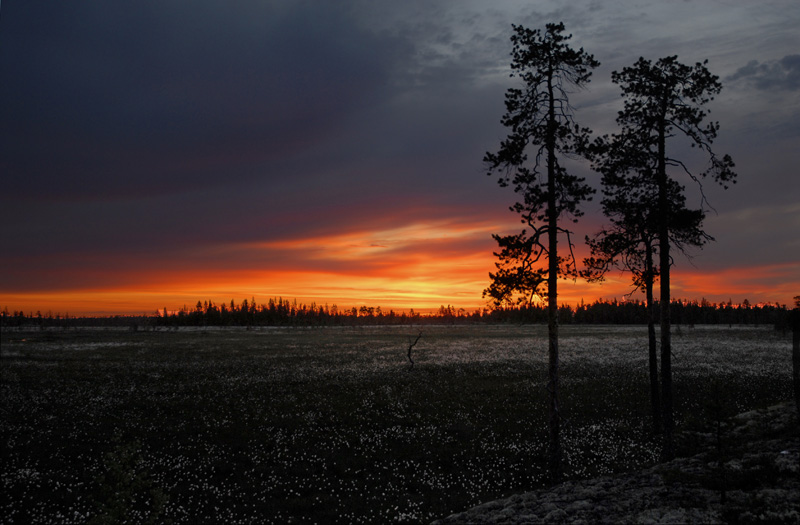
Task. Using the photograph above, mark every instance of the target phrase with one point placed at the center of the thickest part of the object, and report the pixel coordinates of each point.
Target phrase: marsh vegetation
(333, 425)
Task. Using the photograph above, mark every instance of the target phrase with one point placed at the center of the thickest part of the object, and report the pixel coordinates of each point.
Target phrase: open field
(332, 425)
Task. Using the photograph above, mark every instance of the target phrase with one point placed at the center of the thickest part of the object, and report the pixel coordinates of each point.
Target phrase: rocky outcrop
(753, 478)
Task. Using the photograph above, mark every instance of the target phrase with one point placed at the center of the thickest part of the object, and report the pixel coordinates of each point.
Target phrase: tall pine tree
(542, 133)
(630, 241)
(663, 108)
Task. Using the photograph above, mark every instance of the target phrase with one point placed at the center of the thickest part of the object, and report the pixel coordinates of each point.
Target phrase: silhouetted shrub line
(282, 312)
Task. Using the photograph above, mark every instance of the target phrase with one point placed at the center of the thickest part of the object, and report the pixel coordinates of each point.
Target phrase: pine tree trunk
(795, 321)
(554, 448)
(655, 397)
(667, 452)
(554, 444)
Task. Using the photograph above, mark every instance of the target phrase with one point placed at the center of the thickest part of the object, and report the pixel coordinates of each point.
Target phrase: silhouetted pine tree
(664, 100)
(629, 242)
(541, 125)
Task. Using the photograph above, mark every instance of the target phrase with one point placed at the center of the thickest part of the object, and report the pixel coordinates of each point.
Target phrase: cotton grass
(331, 424)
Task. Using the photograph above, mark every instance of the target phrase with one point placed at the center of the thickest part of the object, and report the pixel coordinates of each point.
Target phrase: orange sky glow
(346, 166)
(419, 266)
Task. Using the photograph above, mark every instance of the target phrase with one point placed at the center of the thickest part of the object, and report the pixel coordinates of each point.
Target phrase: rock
(548, 507)
(683, 490)
(556, 516)
(579, 505)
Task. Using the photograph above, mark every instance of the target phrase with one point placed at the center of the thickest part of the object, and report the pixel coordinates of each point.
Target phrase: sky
(154, 153)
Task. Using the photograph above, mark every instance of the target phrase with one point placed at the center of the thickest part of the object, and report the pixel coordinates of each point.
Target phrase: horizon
(155, 155)
(385, 310)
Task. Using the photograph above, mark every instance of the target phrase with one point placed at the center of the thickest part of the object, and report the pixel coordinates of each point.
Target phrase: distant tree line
(283, 312)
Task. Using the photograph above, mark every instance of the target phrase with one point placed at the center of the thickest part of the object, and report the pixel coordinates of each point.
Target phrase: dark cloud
(133, 99)
(166, 136)
(156, 128)
(783, 74)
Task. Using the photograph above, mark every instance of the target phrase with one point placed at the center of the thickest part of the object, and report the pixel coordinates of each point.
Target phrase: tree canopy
(542, 131)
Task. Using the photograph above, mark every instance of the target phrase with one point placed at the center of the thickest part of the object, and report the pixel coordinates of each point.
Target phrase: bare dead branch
(412, 345)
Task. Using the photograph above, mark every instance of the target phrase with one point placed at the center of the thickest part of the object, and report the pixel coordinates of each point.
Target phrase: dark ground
(759, 482)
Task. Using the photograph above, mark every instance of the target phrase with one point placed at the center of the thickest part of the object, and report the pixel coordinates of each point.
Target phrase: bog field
(333, 425)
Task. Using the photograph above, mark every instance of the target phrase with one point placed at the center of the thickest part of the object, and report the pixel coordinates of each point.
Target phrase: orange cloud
(769, 282)
(420, 266)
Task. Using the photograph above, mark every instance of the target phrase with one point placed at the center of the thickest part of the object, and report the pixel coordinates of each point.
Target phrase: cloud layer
(201, 148)
(783, 74)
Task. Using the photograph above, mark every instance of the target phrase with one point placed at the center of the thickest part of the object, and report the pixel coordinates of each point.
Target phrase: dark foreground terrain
(756, 481)
(333, 425)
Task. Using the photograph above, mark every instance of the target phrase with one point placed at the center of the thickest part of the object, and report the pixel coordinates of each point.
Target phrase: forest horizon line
(280, 311)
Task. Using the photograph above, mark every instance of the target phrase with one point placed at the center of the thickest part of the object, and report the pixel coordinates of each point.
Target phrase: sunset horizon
(393, 268)
(362, 292)
(333, 153)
